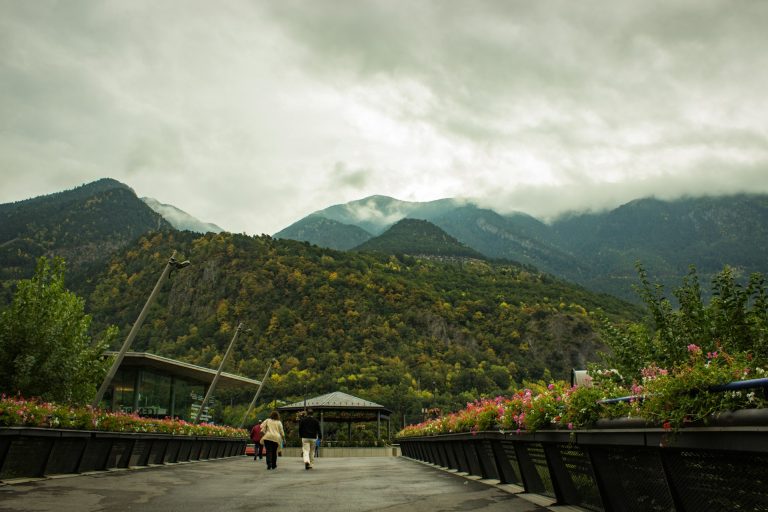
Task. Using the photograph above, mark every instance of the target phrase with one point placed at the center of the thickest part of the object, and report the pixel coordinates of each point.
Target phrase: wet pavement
(391, 484)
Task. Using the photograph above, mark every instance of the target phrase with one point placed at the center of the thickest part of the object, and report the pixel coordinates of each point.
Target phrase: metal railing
(730, 386)
(623, 465)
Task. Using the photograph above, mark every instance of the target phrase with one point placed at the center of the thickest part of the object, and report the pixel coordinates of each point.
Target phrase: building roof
(337, 401)
(182, 369)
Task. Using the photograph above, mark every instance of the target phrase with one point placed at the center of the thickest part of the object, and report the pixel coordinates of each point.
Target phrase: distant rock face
(180, 219)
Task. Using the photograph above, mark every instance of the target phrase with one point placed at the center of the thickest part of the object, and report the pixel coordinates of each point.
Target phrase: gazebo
(339, 407)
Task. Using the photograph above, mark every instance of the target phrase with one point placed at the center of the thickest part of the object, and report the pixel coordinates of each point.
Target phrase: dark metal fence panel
(205, 451)
(486, 459)
(95, 455)
(572, 476)
(120, 453)
(506, 462)
(533, 468)
(184, 450)
(422, 452)
(26, 456)
(65, 455)
(428, 452)
(408, 449)
(458, 454)
(471, 456)
(196, 451)
(419, 451)
(440, 458)
(5, 445)
(450, 452)
(218, 450)
(716, 480)
(631, 478)
(140, 452)
(157, 452)
(172, 451)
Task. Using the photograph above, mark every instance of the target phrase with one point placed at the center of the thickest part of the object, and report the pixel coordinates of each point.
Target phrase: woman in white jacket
(273, 435)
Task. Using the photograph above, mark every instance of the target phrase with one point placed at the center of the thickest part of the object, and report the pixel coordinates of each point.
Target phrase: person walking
(309, 431)
(256, 436)
(272, 435)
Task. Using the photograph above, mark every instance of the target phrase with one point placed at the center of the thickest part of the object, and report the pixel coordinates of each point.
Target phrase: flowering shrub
(683, 395)
(669, 398)
(20, 412)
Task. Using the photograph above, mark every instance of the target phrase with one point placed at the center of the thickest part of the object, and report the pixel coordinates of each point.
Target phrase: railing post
(565, 491)
(503, 465)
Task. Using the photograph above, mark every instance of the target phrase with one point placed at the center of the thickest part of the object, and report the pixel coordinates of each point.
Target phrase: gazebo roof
(336, 401)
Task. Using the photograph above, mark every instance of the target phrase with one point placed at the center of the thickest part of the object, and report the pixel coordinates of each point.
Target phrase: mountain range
(371, 322)
(378, 295)
(598, 250)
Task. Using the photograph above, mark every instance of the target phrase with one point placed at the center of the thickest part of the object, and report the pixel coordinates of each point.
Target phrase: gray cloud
(353, 178)
(253, 114)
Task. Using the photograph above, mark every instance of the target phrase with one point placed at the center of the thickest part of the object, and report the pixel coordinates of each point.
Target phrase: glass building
(159, 387)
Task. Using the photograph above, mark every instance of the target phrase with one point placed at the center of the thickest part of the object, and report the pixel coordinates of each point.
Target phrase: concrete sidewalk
(238, 484)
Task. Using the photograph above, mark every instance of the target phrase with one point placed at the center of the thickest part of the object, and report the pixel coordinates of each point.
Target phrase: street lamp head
(178, 264)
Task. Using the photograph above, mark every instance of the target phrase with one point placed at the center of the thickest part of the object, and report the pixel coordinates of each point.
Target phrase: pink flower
(694, 349)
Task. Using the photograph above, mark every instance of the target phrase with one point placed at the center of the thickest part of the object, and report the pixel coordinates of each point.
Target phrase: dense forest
(402, 331)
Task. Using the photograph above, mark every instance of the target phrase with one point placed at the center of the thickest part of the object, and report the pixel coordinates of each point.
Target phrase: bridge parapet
(621, 466)
(39, 452)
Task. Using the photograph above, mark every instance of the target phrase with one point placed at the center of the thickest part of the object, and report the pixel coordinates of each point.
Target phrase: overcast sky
(253, 114)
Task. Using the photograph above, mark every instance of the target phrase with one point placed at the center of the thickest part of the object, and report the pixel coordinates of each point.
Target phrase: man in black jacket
(309, 430)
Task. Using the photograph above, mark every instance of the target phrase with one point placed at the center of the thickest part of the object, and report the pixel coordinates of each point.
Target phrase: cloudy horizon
(253, 114)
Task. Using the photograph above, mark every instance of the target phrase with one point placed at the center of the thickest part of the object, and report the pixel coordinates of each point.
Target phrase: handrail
(731, 386)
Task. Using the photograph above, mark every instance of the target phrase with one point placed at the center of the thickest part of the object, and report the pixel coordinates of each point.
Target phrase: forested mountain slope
(393, 330)
(84, 225)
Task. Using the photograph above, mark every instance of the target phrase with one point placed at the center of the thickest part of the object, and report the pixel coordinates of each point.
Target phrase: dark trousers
(271, 447)
(258, 451)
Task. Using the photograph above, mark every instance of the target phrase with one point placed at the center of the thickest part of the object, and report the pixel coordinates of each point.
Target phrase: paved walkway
(391, 484)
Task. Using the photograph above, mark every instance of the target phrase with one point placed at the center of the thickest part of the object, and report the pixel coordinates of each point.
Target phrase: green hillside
(403, 332)
(418, 238)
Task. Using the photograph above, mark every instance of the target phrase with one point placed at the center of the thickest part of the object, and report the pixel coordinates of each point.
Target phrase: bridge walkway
(391, 484)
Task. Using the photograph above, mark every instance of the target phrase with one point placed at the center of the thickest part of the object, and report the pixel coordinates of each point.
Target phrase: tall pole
(256, 396)
(218, 372)
(172, 264)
